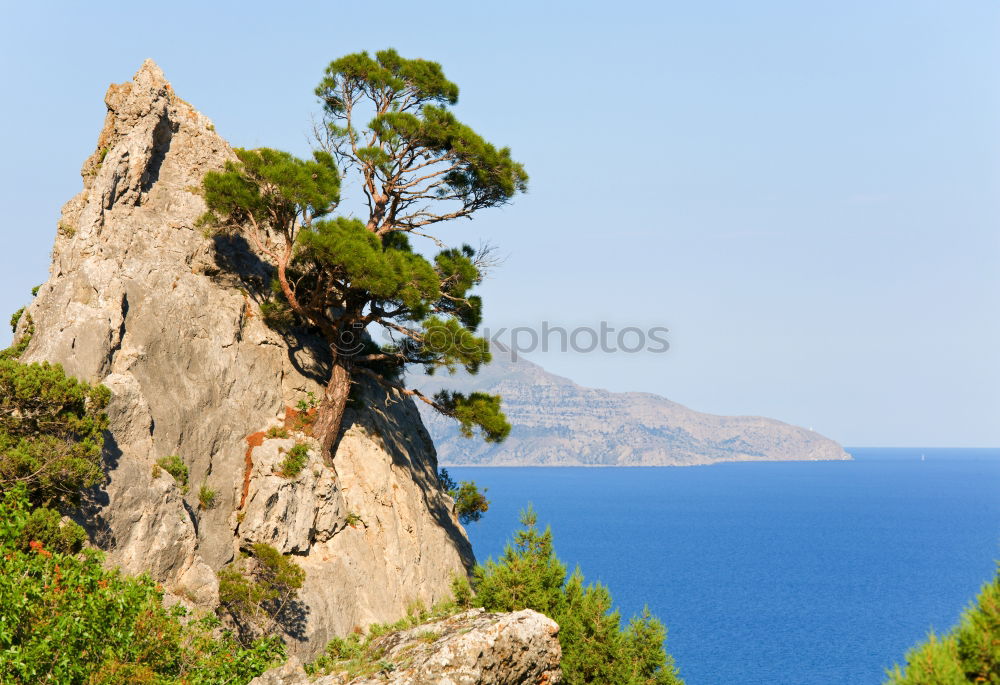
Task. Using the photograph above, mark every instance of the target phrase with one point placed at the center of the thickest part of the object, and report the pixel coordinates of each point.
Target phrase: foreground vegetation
(66, 619)
(970, 653)
(596, 649)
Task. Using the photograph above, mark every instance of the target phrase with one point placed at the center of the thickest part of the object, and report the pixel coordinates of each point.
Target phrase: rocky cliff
(466, 649)
(142, 301)
(559, 423)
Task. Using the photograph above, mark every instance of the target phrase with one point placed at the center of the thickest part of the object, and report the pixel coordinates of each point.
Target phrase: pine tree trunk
(331, 409)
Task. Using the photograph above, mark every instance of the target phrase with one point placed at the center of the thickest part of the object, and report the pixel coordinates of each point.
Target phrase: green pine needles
(51, 432)
(470, 503)
(387, 128)
(596, 649)
(970, 653)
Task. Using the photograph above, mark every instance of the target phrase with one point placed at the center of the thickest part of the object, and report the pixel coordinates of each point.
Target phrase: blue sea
(797, 573)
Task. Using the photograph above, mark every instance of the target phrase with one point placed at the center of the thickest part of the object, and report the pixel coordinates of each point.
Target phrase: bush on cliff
(470, 503)
(51, 432)
(65, 619)
(259, 590)
(595, 647)
(970, 653)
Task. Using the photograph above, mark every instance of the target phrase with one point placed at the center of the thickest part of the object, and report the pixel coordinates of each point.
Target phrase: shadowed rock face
(142, 301)
(559, 423)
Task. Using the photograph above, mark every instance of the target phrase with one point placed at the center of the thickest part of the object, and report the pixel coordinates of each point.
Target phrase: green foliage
(295, 460)
(306, 403)
(477, 409)
(470, 503)
(206, 497)
(15, 318)
(21, 342)
(970, 653)
(527, 576)
(257, 589)
(353, 519)
(346, 247)
(388, 128)
(461, 590)
(278, 315)
(446, 482)
(34, 291)
(270, 186)
(595, 647)
(67, 620)
(46, 527)
(277, 432)
(51, 432)
(359, 654)
(176, 467)
(408, 99)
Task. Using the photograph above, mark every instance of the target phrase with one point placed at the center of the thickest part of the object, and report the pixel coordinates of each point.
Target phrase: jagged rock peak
(168, 318)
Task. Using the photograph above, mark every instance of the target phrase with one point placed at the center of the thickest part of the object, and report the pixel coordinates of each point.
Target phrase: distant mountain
(559, 423)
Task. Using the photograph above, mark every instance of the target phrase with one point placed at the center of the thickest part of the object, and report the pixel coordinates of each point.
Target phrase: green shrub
(21, 343)
(295, 460)
(277, 432)
(462, 592)
(446, 482)
(277, 315)
(595, 647)
(359, 655)
(258, 591)
(68, 620)
(352, 519)
(46, 527)
(970, 653)
(51, 432)
(206, 497)
(176, 467)
(470, 503)
(306, 403)
(15, 318)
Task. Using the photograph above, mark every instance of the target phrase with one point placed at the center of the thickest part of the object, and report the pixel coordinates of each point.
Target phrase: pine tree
(416, 166)
(970, 653)
(595, 647)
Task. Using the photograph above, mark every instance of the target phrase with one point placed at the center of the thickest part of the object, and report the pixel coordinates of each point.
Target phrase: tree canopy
(387, 128)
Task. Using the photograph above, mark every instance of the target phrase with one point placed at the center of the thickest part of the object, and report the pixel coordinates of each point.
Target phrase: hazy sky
(807, 194)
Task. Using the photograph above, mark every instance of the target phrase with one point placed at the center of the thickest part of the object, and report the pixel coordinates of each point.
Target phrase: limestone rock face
(473, 648)
(141, 300)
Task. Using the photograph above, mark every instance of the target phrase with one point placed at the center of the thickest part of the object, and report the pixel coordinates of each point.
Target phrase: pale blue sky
(806, 193)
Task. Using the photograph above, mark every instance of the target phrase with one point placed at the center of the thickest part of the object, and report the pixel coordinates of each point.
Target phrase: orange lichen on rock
(301, 421)
(253, 440)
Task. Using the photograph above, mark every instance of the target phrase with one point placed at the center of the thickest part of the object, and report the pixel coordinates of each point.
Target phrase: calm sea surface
(799, 573)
